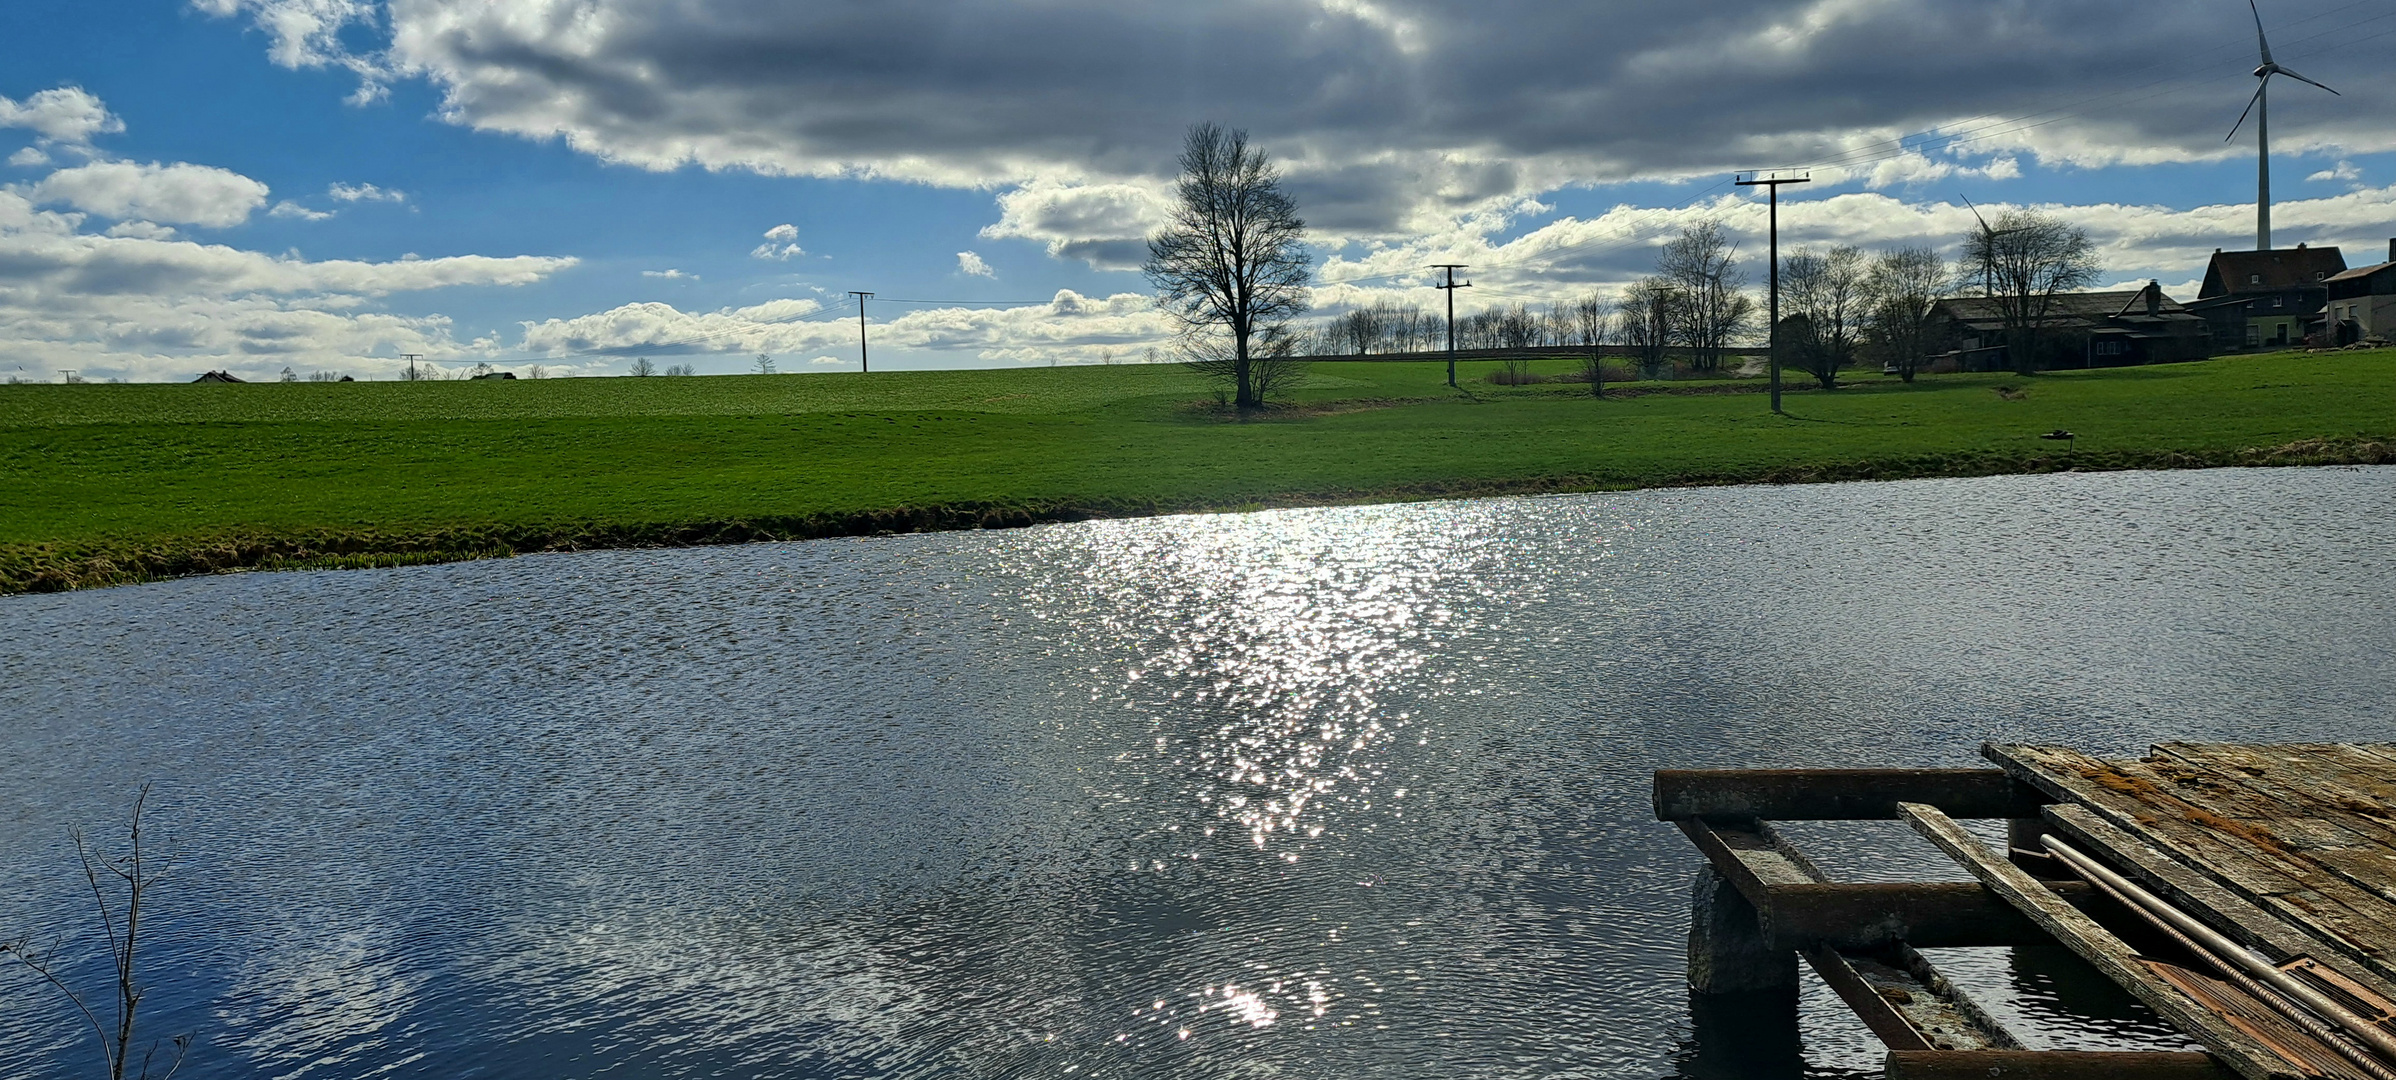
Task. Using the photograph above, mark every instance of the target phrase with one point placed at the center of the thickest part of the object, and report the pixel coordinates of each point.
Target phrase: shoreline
(43, 567)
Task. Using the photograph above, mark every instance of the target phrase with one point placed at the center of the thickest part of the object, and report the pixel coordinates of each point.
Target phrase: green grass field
(113, 483)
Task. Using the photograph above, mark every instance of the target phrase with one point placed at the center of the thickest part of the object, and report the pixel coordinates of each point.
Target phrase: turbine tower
(2260, 106)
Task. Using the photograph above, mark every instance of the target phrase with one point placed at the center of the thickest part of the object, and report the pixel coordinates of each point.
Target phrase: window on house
(2319, 274)
(2254, 334)
(2279, 301)
(2254, 279)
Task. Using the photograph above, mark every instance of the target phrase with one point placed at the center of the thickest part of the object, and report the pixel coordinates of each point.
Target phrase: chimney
(2154, 297)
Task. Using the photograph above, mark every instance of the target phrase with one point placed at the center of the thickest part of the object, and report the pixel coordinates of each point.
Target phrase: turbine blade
(2260, 40)
(2299, 78)
(2250, 107)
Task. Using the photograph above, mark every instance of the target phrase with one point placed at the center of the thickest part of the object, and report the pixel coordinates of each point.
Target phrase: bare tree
(1902, 289)
(1589, 323)
(139, 873)
(1824, 292)
(537, 372)
(2027, 259)
(1711, 305)
(1646, 308)
(1231, 268)
(765, 364)
(642, 367)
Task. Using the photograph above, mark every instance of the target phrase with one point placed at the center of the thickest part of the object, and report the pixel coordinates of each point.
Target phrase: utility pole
(1450, 288)
(862, 297)
(411, 358)
(1772, 184)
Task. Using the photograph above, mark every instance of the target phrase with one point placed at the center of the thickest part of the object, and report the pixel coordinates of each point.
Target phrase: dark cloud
(1503, 93)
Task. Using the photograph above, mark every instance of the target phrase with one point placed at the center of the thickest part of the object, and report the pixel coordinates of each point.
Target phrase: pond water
(1354, 792)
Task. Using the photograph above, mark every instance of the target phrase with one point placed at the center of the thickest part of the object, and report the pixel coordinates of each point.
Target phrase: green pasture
(110, 483)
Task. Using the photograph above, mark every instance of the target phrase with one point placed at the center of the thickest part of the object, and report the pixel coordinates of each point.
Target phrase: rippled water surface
(1352, 792)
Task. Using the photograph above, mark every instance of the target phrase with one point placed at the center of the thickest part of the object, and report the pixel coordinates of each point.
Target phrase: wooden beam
(2081, 934)
(1838, 794)
(1895, 991)
(2051, 1065)
(1925, 915)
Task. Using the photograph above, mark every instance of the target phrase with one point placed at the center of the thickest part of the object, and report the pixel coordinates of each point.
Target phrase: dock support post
(1728, 952)
(1742, 992)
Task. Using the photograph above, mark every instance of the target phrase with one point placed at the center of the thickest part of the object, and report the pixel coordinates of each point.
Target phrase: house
(217, 376)
(2095, 329)
(2259, 299)
(494, 375)
(2362, 303)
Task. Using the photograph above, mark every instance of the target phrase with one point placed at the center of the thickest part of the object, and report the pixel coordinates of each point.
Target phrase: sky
(327, 185)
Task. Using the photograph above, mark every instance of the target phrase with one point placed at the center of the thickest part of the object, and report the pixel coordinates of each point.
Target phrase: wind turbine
(2262, 116)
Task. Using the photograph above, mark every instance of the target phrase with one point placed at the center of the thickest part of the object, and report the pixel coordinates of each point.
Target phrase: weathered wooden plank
(2338, 807)
(2134, 799)
(2234, 915)
(2278, 789)
(2093, 943)
(2248, 1014)
(1759, 864)
(1906, 1003)
(2132, 803)
(1837, 794)
(2052, 1065)
(1879, 1013)
(1926, 915)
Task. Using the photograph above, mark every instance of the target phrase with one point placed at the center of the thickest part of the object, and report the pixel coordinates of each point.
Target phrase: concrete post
(1727, 950)
(1742, 992)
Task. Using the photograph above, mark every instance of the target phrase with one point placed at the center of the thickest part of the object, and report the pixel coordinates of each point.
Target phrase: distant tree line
(1840, 306)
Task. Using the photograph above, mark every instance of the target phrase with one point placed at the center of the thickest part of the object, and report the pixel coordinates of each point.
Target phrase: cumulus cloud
(141, 230)
(670, 275)
(972, 265)
(180, 193)
(289, 209)
(30, 157)
(781, 242)
(67, 114)
(139, 303)
(2343, 170)
(1071, 328)
(364, 193)
(1105, 225)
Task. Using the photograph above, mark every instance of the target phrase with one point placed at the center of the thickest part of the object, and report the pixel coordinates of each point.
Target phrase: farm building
(2362, 303)
(2260, 299)
(2093, 329)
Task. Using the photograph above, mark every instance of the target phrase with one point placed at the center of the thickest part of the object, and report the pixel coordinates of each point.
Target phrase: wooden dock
(2245, 893)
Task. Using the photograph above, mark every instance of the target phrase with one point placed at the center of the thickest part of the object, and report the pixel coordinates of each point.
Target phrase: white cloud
(2343, 170)
(781, 242)
(67, 114)
(179, 193)
(289, 209)
(1071, 328)
(972, 265)
(1105, 225)
(141, 230)
(30, 157)
(364, 193)
(670, 275)
(138, 303)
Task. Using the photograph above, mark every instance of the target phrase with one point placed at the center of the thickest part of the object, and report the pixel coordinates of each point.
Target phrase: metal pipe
(2226, 954)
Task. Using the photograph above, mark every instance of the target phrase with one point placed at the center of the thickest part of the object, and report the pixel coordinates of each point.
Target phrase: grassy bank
(107, 484)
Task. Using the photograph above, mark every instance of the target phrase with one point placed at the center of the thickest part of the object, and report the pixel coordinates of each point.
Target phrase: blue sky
(575, 184)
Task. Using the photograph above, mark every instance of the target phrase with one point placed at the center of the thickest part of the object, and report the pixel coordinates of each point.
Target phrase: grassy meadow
(104, 484)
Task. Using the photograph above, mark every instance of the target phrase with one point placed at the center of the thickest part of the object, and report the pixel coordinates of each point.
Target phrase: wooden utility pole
(411, 358)
(1772, 184)
(862, 297)
(1450, 288)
